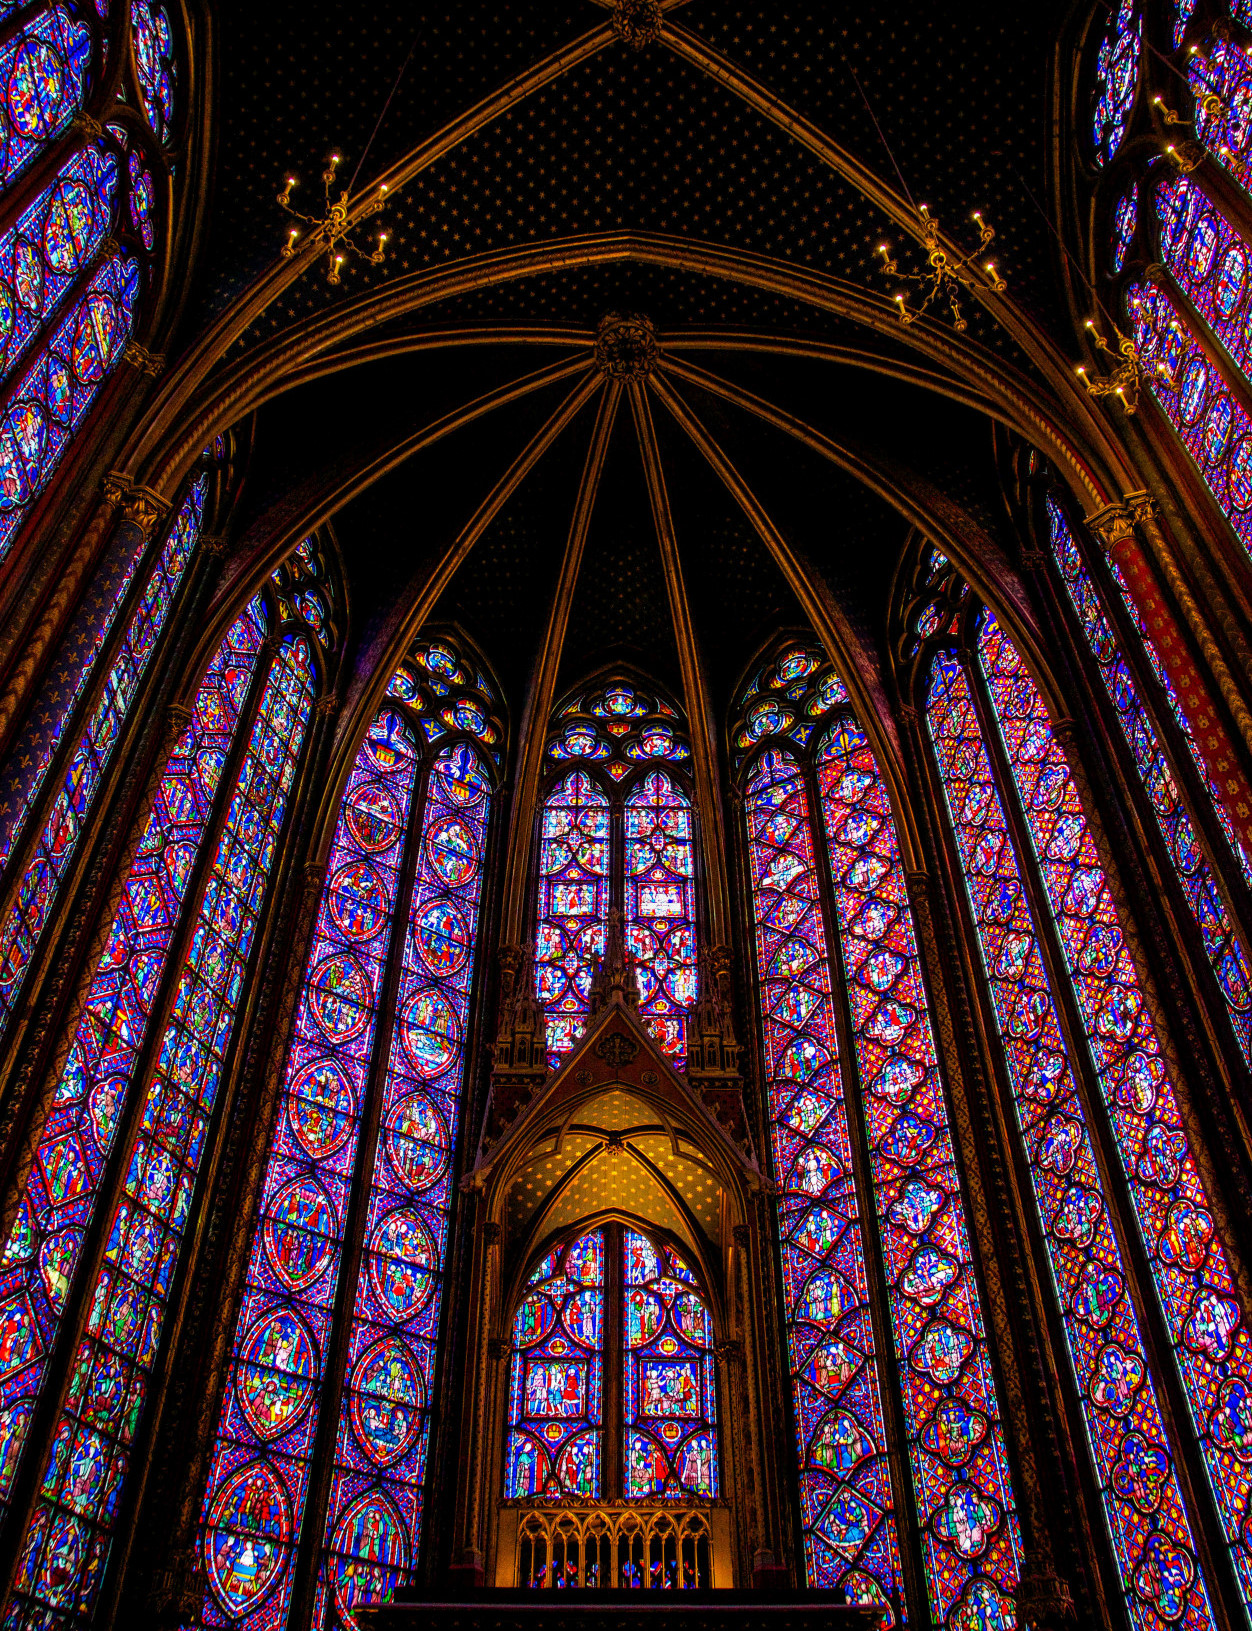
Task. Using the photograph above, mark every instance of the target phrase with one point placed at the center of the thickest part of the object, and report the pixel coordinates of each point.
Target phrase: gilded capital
(1113, 525)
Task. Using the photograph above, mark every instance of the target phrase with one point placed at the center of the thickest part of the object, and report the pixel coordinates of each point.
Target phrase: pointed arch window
(654, 1387)
(324, 1422)
(1094, 1094)
(80, 259)
(89, 1265)
(611, 838)
(884, 1324)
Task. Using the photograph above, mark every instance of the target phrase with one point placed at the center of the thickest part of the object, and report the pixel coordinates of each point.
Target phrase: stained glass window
(76, 265)
(66, 1543)
(1225, 951)
(660, 911)
(1131, 1452)
(970, 1537)
(847, 1505)
(370, 1107)
(670, 1391)
(1195, 1288)
(23, 776)
(583, 871)
(556, 1384)
(1117, 78)
(573, 905)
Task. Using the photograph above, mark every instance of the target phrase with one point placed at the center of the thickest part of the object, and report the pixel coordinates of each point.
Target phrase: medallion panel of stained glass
(670, 1386)
(374, 1520)
(44, 68)
(60, 1196)
(573, 905)
(1131, 1452)
(971, 1539)
(62, 1560)
(258, 1479)
(1211, 1342)
(556, 1392)
(845, 1482)
(660, 912)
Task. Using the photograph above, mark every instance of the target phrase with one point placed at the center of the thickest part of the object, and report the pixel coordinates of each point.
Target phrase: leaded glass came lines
(1212, 1345)
(849, 1524)
(374, 1519)
(1133, 1460)
(970, 1536)
(56, 845)
(259, 1477)
(41, 1255)
(44, 69)
(660, 911)
(573, 906)
(62, 1560)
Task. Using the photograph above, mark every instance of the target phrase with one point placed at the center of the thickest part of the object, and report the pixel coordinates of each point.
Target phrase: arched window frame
(940, 620)
(428, 693)
(613, 1353)
(574, 713)
(152, 220)
(267, 744)
(775, 716)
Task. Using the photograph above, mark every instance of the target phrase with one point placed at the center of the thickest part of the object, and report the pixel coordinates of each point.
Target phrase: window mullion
(1192, 1476)
(307, 1562)
(880, 1307)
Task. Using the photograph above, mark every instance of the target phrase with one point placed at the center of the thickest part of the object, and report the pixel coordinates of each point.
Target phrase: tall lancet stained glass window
(1091, 1082)
(837, 954)
(80, 265)
(178, 955)
(366, 1130)
(664, 1374)
(1182, 257)
(629, 752)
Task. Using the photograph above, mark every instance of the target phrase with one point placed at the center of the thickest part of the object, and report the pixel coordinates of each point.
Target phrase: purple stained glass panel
(1131, 1452)
(67, 1540)
(57, 842)
(374, 1518)
(1221, 79)
(849, 1524)
(43, 69)
(92, 1095)
(556, 1404)
(971, 1540)
(1225, 952)
(52, 399)
(1212, 1345)
(153, 41)
(670, 1387)
(660, 911)
(573, 905)
(1117, 78)
(258, 1481)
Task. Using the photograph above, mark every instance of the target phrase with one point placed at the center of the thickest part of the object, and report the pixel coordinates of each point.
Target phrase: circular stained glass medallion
(339, 995)
(442, 937)
(387, 1394)
(417, 1141)
(249, 1531)
(358, 901)
(300, 1230)
(275, 1375)
(403, 1260)
(373, 817)
(321, 1108)
(452, 851)
(428, 1030)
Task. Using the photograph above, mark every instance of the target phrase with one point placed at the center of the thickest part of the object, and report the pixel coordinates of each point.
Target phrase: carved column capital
(214, 545)
(314, 876)
(143, 507)
(497, 1349)
(743, 1235)
(1043, 1598)
(1113, 525)
(491, 1232)
(144, 361)
(177, 719)
(327, 707)
(730, 1352)
(1033, 560)
(917, 884)
(1143, 507)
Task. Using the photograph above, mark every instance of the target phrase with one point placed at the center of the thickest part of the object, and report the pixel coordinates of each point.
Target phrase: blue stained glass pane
(1221, 79)
(1226, 953)
(670, 1390)
(1117, 77)
(660, 911)
(850, 1536)
(1134, 1467)
(57, 389)
(43, 70)
(258, 1479)
(374, 1518)
(47, 249)
(573, 906)
(971, 1540)
(92, 1095)
(556, 1403)
(37, 890)
(1212, 1346)
(154, 58)
(67, 1541)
